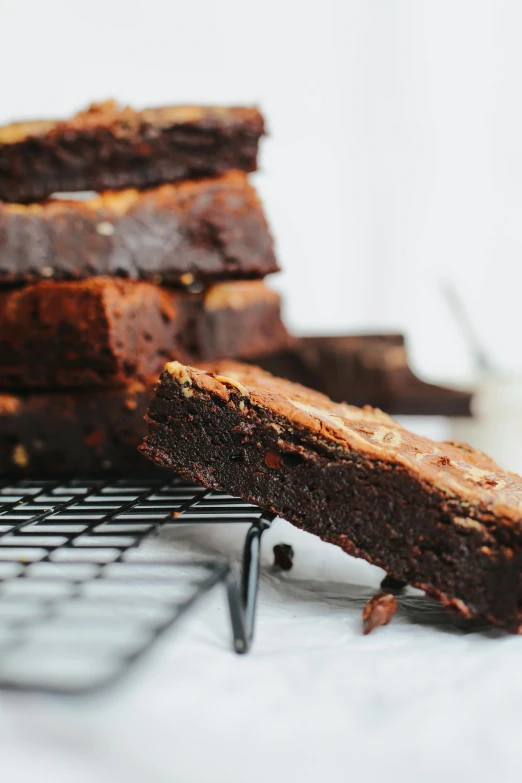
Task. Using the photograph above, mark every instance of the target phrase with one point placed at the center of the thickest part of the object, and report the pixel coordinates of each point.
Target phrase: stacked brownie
(365, 369)
(98, 291)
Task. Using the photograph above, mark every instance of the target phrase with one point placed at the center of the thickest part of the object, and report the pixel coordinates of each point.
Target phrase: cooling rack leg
(242, 593)
(241, 641)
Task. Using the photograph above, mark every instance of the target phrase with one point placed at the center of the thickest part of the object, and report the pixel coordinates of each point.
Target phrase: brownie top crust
(456, 469)
(120, 202)
(123, 120)
(235, 295)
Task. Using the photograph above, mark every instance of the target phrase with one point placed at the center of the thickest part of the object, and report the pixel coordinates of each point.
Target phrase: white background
(394, 158)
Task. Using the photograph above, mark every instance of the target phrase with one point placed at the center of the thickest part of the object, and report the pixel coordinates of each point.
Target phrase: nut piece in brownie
(439, 516)
(106, 331)
(81, 433)
(366, 369)
(198, 231)
(109, 147)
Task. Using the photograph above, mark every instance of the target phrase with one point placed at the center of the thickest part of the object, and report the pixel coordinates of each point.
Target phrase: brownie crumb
(379, 610)
(393, 585)
(283, 556)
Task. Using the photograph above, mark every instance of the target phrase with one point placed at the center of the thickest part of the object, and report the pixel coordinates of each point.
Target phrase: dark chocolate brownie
(440, 516)
(109, 147)
(186, 234)
(365, 370)
(85, 433)
(106, 331)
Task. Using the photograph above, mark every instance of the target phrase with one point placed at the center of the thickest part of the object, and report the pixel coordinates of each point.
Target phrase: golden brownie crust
(123, 120)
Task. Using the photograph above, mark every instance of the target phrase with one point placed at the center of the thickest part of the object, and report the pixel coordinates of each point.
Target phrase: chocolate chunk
(273, 460)
(390, 583)
(283, 556)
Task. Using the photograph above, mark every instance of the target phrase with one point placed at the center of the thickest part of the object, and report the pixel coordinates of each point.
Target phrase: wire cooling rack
(82, 596)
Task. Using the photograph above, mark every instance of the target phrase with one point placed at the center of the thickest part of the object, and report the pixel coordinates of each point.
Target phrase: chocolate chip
(379, 610)
(273, 460)
(293, 460)
(390, 583)
(283, 556)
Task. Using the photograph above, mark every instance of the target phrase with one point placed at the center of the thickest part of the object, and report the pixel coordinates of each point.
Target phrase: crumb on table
(379, 610)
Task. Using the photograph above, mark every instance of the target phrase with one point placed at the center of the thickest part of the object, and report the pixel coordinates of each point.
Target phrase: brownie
(106, 331)
(439, 516)
(365, 370)
(187, 234)
(82, 433)
(109, 147)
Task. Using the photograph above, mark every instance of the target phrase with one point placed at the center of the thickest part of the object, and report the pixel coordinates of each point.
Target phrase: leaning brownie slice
(104, 331)
(439, 516)
(187, 233)
(109, 147)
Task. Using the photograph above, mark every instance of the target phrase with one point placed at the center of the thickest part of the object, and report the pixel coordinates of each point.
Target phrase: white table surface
(315, 700)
